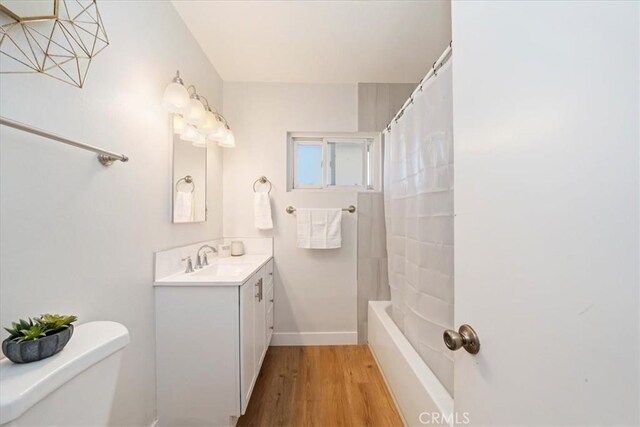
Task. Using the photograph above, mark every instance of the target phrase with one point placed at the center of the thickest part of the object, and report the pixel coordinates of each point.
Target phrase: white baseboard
(314, 338)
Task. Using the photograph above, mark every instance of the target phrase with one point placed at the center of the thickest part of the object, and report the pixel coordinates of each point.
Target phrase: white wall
(546, 124)
(79, 238)
(315, 290)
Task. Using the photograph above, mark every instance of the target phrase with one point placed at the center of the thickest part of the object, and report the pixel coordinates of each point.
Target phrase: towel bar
(106, 158)
(350, 209)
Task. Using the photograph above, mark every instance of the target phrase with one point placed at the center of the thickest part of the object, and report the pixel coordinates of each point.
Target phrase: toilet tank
(72, 388)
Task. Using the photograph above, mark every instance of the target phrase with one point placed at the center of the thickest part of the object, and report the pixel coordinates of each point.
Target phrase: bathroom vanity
(213, 328)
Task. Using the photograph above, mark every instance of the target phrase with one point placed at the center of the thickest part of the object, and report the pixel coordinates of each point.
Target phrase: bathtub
(420, 397)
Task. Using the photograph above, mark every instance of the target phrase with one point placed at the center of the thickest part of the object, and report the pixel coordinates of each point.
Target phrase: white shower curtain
(418, 193)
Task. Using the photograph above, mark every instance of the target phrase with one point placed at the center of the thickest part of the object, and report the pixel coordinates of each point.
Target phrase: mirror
(189, 184)
(30, 10)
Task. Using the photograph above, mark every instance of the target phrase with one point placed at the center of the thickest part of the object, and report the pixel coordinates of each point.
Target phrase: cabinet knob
(271, 327)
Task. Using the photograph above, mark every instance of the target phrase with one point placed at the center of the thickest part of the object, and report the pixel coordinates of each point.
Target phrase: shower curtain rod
(432, 72)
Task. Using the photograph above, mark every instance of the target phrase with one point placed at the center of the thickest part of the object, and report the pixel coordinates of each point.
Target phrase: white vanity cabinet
(211, 340)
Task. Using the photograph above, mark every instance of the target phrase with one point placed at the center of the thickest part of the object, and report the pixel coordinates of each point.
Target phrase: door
(546, 111)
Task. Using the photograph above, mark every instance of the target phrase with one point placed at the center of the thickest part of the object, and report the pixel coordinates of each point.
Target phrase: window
(334, 161)
(309, 164)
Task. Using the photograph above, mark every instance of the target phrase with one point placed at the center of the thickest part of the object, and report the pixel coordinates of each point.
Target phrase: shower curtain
(418, 197)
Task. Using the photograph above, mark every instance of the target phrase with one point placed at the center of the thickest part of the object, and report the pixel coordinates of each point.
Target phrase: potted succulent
(38, 338)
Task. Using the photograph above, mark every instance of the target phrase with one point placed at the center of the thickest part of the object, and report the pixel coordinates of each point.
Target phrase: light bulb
(199, 141)
(196, 114)
(189, 133)
(211, 123)
(178, 123)
(176, 96)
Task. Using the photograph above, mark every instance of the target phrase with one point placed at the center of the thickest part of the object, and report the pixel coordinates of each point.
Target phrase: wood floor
(323, 386)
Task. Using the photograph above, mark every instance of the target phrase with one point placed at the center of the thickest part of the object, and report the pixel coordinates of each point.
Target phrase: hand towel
(319, 228)
(183, 207)
(262, 211)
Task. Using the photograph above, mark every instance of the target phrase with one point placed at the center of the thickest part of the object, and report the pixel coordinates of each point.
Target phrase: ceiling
(320, 41)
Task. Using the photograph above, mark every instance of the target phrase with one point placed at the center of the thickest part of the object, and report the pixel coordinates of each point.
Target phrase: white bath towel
(183, 207)
(319, 228)
(262, 211)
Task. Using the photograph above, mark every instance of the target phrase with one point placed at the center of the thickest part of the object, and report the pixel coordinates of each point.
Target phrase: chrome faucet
(189, 264)
(201, 260)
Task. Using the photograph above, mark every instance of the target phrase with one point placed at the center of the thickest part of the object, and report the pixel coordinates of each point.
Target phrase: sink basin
(222, 270)
(231, 271)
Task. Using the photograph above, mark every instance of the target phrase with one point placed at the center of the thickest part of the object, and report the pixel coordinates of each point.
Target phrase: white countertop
(228, 271)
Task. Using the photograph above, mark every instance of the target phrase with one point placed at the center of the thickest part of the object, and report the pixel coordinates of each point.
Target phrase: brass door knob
(465, 337)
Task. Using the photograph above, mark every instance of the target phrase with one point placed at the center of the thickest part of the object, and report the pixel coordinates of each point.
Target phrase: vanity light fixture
(225, 138)
(189, 133)
(229, 140)
(176, 97)
(200, 141)
(211, 124)
(216, 135)
(193, 118)
(178, 123)
(195, 115)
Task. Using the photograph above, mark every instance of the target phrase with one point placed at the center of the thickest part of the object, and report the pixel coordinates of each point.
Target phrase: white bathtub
(418, 394)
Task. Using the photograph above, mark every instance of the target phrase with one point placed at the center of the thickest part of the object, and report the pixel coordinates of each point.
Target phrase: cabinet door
(260, 323)
(248, 367)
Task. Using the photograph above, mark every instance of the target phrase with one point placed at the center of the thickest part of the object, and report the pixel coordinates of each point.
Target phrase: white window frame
(371, 169)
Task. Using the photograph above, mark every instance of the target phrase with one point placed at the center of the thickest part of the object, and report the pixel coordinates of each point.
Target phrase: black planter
(32, 351)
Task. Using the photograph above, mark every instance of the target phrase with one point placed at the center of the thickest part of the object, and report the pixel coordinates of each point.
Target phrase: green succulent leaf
(33, 333)
(33, 329)
(55, 322)
(16, 327)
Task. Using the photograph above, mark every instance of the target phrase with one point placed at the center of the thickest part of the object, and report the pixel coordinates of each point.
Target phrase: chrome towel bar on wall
(106, 158)
(350, 209)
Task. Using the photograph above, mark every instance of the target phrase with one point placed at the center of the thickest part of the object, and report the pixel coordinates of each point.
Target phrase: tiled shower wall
(373, 278)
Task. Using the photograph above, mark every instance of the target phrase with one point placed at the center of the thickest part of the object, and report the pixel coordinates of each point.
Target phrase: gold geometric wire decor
(60, 44)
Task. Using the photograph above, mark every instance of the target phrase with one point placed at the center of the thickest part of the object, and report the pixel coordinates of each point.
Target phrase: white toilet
(72, 388)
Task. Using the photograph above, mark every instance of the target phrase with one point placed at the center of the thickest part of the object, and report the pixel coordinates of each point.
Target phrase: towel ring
(187, 179)
(262, 180)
